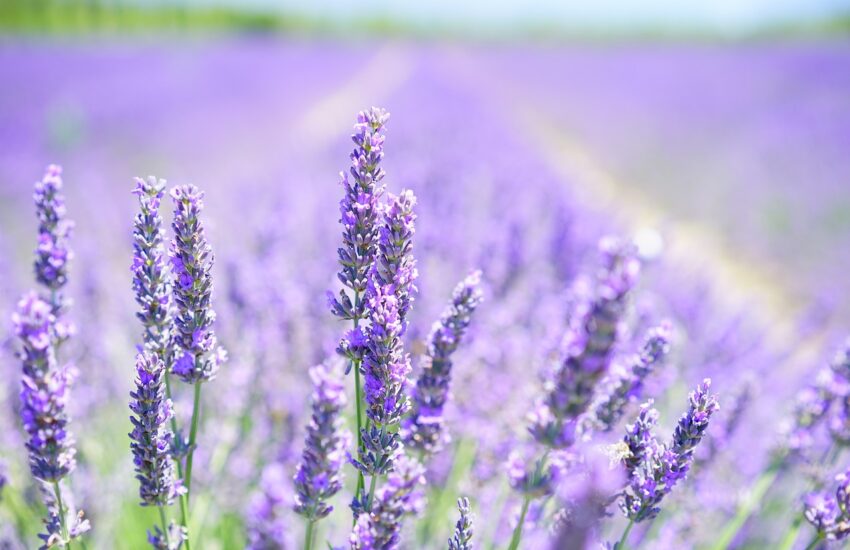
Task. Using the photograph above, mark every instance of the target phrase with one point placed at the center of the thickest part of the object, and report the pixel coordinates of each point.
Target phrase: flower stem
(815, 541)
(164, 525)
(193, 433)
(518, 529)
(57, 493)
(181, 498)
(622, 544)
(372, 485)
(308, 535)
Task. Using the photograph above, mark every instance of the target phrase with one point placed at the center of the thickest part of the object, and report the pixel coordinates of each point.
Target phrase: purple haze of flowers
(199, 356)
(359, 210)
(150, 274)
(150, 438)
(830, 515)
(52, 253)
(662, 466)
(423, 429)
(380, 528)
(462, 538)
(266, 524)
(591, 337)
(319, 475)
(814, 402)
(616, 392)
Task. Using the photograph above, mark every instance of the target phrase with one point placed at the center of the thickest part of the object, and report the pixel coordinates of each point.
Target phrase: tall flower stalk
(319, 475)
(359, 211)
(197, 356)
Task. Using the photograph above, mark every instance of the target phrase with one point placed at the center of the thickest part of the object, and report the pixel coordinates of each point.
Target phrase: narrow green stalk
(748, 505)
(308, 535)
(164, 525)
(180, 498)
(815, 541)
(515, 538)
(193, 433)
(372, 485)
(792, 534)
(622, 544)
(357, 391)
(57, 493)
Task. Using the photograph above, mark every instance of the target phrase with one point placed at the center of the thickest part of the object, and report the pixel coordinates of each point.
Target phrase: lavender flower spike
(150, 275)
(593, 332)
(830, 515)
(199, 356)
(44, 395)
(380, 528)
(423, 429)
(52, 253)
(359, 212)
(664, 465)
(462, 539)
(150, 438)
(319, 474)
(610, 404)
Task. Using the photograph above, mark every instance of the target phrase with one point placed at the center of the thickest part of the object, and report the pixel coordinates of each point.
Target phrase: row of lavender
(604, 366)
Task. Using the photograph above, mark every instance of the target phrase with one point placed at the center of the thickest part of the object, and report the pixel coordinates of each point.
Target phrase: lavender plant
(462, 538)
(423, 428)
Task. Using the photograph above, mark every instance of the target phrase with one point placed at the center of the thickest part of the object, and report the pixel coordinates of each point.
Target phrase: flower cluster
(627, 383)
(319, 477)
(380, 528)
(462, 538)
(267, 527)
(589, 344)
(150, 438)
(654, 468)
(359, 210)
(44, 392)
(830, 515)
(199, 356)
(423, 429)
(52, 253)
(150, 276)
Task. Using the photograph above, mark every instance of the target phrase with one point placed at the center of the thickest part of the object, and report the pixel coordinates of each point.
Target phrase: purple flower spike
(52, 253)
(380, 528)
(319, 475)
(44, 392)
(589, 343)
(267, 522)
(828, 514)
(610, 404)
(199, 356)
(150, 276)
(359, 210)
(150, 438)
(423, 429)
(654, 469)
(462, 539)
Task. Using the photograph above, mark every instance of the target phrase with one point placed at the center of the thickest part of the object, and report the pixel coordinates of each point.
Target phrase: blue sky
(731, 15)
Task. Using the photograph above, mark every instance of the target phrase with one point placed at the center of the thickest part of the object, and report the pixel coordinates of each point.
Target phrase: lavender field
(565, 296)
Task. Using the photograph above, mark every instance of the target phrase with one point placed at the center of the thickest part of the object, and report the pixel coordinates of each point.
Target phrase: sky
(730, 15)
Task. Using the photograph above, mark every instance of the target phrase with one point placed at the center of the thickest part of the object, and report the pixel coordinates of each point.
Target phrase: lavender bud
(150, 438)
(150, 277)
(462, 539)
(173, 540)
(830, 515)
(423, 429)
(44, 392)
(52, 253)
(610, 404)
(593, 332)
(359, 212)
(199, 356)
(319, 474)
(380, 528)
(639, 440)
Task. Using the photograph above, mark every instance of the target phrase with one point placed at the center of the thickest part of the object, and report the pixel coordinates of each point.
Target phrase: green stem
(57, 493)
(179, 463)
(622, 544)
(193, 433)
(791, 536)
(164, 525)
(357, 391)
(372, 484)
(308, 535)
(748, 505)
(515, 538)
(815, 541)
